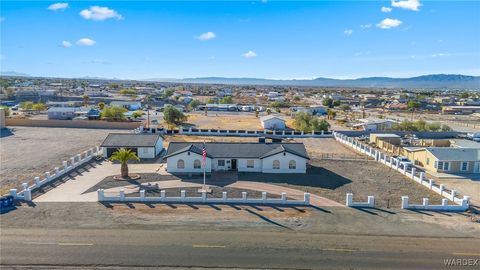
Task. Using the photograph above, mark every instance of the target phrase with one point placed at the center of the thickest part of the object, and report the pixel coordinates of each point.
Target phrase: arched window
(292, 164)
(276, 165)
(197, 164)
(180, 164)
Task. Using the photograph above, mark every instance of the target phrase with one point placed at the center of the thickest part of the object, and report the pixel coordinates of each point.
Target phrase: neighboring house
(374, 124)
(272, 122)
(186, 157)
(447, 159)
(64, 113)
(460, 109)
(144, 145)
(129, 105)
(313, 110)
(64, 103)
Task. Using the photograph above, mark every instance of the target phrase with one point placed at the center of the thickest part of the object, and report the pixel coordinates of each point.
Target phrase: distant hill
(426, 81)
(13, 74)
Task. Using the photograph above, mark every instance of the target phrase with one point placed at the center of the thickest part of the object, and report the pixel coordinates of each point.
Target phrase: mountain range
(451, 81)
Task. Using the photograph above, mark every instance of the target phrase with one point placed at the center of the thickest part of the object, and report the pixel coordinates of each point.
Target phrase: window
(428, 161)
(250, 163)
(221, 163)
(276, 165)
(464, 166)
(292, 164)
(197, 164)
(180, 164)
(441, 165)
(446, 166)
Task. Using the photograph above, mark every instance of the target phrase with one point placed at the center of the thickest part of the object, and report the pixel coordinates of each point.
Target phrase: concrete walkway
(73, 190)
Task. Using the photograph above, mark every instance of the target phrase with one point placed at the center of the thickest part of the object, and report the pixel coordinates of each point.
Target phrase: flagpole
(204, 168)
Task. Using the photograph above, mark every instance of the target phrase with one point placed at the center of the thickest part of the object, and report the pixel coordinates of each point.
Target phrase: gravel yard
(27, 152)
(332, 179)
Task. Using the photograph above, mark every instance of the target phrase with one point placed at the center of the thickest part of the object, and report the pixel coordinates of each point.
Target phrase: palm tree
(124, 155)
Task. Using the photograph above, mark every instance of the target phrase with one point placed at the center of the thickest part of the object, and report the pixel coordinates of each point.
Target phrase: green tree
(268, 111)
(193, 104)
(328, 102)
(296, 98)
(168, 93)
(307, 123)
(226, 100)
(128, 92)
(6, 110)
(344, 107)
(464, 95)
(124, 155)
(173, 117)
(101, 105)
(39, 106)
(331, 114)
(336, 103)
(137, 114)
(26, 105)
(113, 113)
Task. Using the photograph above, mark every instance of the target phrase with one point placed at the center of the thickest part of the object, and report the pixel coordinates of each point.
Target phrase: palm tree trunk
(124, 170)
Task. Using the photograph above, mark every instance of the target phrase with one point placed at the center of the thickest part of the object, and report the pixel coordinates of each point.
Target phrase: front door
(234, 164)
(476, 167)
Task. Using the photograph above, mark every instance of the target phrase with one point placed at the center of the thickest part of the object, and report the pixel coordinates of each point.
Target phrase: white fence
(463, 206)
(75, 162)
(236, 132)
(418, 177)
(203, 198)
(369, 204)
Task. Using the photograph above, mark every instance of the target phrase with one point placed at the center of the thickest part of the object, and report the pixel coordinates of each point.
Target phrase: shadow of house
(6, 132)
(315, 177)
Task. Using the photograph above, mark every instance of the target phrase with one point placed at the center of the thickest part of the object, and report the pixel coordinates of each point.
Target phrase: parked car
(475, 136)
(404, 162)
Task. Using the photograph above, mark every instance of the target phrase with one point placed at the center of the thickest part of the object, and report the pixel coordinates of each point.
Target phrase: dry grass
(225, 121)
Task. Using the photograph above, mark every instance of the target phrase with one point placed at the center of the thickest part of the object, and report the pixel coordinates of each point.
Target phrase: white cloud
(365, 26)
(439, 55)
(58, 6)
(97, 13)
(66, 44)
(348, 32)
(389, 23)
(207, 36)
(249, 54)
(86, 42)
(407, 4)
(386, 9)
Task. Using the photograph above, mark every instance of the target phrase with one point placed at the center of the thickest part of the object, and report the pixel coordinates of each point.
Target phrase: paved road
(237, 249)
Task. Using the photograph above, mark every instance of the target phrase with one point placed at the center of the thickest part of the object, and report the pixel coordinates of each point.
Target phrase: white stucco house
(272, 122)
(186, 157)
(144, 145)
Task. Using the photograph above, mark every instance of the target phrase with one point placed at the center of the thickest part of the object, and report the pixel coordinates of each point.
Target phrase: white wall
(242, 165)
(146, 152)
(188, 159)
(273, 123)
(267, 164)
(159, 146)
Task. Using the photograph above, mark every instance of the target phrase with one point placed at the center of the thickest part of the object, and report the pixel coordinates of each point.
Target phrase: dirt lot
(27, 152)
(219, 120)
(318, 147)
(334, 178)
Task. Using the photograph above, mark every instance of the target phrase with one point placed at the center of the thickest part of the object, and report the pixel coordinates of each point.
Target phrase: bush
(308, 123)
(6, 110)
(113, 113)
(173, 117)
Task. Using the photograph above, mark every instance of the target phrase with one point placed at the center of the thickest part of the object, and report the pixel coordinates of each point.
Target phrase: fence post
(13, 193)
(37, 181)
(204, 195)
(57, 171)
(414, 170)
(371, 201)
(452, 195)
(47, 175)
(425, 202)
(122, 194)
(404, 202)
(444, 203)
(72, 161)
(101, 195)
(162, 195)
(349, 201)
(442, 187)
(264, 197)
(422, 175)
(65, 166)
(142, 195)
(224, 196)
(284, 197)
(430, 183)
(306, 198)
(244, 196)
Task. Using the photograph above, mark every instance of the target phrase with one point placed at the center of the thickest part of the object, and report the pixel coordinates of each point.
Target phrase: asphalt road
(130, 248)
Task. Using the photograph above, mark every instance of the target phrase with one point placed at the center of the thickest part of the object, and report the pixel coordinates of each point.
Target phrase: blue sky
(262, 39)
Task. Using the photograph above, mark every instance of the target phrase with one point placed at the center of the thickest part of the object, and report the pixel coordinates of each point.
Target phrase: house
(460, 109)
(272, 122)
(129, 105)
(64, 113)
(370, 124)
(144, 145)
(447, 159)
(186, 157)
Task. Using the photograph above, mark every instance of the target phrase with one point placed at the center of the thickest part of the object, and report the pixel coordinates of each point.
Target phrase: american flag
(204, 154)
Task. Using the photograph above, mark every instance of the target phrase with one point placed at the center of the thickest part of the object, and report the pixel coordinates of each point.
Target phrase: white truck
(474, 136)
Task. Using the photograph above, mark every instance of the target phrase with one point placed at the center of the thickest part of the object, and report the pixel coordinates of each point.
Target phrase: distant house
(460, 109)
(313, 110)
(64, 113)
(371, 124)
(272, 122)
(129, 105)
(447, 159)
(186, 157)
(144, 145)
(73, 103)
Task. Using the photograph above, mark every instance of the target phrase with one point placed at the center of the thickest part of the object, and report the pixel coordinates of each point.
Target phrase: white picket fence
(394, 164)
(102, 197)
(370, 203)
(75, 162)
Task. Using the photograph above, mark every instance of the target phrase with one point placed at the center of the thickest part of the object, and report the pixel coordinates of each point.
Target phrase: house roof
(455, 154)
(237, 150)
(130, 140)
(269, 117)
(65, 109)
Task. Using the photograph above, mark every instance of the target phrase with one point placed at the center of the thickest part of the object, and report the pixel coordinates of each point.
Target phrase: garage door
(111, 150)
